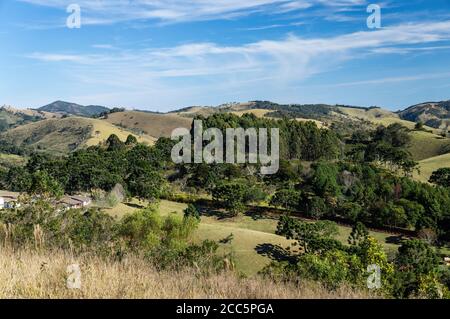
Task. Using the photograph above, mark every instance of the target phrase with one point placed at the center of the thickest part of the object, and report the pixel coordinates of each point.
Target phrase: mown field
(426, 145)
(429, 165)
(254, 242)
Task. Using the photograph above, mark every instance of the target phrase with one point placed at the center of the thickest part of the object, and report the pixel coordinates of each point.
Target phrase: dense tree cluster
(136, 166)
(387, 145)
(298, 140)
(369, 194)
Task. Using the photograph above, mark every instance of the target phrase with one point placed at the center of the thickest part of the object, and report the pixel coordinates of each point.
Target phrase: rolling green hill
(152, 124)
(429, 165)
(11, 117)
(63, 135)
(252, 239)
(426, 145)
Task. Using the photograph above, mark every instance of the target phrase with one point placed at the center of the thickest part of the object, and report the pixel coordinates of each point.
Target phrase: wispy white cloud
(103, 46)
(273, 26)
(54, 57)
(112, 11)
(396, 79)
(187, 69)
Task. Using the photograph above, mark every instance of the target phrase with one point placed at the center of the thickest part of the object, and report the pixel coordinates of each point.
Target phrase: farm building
(8, 200)
(74, 202)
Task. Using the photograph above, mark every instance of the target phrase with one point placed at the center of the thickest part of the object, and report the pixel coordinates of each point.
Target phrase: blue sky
(162, 55)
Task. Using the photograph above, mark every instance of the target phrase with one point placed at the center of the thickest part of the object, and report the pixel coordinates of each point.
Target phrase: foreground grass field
(32, 274)
(254, 242)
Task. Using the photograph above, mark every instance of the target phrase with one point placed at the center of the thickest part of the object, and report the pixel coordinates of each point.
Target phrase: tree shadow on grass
(395, 239)
(133, 205)
(219, 214)
(274, 252)
(257, 213)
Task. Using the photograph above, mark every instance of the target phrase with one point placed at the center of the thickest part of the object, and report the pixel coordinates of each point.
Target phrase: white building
(8, 202)
(75, 202)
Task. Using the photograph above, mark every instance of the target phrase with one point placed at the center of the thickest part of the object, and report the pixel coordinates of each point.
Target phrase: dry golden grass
(102, 130)
(156, 125)
(58, 135)
(256, 112)
(426, 145)
(429, 165)
(379, 117)
(35, 275)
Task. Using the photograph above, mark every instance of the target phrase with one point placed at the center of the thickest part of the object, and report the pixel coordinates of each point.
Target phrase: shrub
(415, 259)
(192, 211)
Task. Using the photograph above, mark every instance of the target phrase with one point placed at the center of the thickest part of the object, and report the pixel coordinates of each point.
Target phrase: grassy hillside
(152, 124)
(102, 130)
(11, 117)
(426, 145)
(429, 165)
(254, 241)
(64, 135)
(9, 160)
(377, 116)
(194, 111)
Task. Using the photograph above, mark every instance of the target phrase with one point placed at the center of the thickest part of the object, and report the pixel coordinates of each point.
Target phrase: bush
(162, 239)
(332, 269)
(415, 259)
(40, 224)
(192, 211)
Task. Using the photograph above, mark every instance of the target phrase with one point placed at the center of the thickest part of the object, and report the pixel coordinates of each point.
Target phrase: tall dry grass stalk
(42, 274)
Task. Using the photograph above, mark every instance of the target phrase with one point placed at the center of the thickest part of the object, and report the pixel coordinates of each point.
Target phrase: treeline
(363, 192)
(309, 111)
(298, 140)
(137, 167)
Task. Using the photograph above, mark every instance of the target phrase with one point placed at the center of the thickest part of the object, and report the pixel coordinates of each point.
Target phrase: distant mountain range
(432, 114)
(74, 109)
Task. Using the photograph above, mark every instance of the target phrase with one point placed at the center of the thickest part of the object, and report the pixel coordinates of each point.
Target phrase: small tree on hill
(131, 140)
(192, 211)
(418, 126)
(441, 177)
(114, 143)
(358, 235)
(230, 196)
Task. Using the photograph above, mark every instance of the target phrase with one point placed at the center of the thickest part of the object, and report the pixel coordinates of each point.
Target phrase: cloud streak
(210, 67)
(114, 11)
